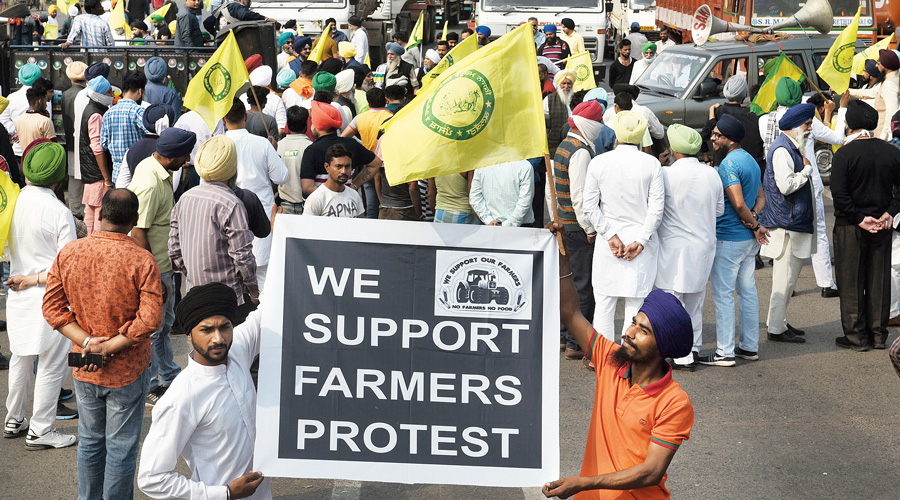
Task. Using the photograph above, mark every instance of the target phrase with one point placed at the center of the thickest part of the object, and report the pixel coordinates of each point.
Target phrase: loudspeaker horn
(816, 14)
(705, 25)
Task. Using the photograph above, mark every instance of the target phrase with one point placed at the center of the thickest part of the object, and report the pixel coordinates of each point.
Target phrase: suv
(685, 80)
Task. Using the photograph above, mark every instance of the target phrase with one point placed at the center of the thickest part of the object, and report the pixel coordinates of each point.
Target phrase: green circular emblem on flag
(217, 82)
(3, 199)
(843, 58)
(449, 59)
(461, 107)
(582, 72)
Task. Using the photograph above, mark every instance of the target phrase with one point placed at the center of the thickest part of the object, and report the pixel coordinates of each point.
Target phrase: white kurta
(638, 70)
(802, 245)
(258, 167)
(208, 416)
(41, 226)
(687, 234)
(624, 196)
(274, 107)
(81, 100)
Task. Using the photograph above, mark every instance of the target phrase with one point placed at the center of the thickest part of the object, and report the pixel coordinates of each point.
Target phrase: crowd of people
(143, 201)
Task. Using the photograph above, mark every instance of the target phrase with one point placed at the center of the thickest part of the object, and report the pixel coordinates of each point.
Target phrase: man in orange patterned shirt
(105, 294)
(641, 416)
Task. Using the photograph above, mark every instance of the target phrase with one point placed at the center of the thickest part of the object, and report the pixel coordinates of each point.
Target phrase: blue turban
(284, 37)
(731, 128)
(550, 28)
(96, 69)
(99, 84)
(483, 30)
(285, 77)
(29, 73)
(671, 324)
(154, 113)
(155, 69)
(598, 94)
(175, 143)
(872, 68)
(797, 115)
(301, 43)
(395, 48)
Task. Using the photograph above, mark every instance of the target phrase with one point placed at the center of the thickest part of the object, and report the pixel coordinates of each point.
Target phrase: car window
(671, 73)
(724, 69)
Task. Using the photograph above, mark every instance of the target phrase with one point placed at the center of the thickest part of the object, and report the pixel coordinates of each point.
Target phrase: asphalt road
(806, 421)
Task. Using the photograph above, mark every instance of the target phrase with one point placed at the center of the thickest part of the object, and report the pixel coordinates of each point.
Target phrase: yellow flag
(835, 69)
(583, 67)
(51, 31)
(161, 12)
(462, 49)
(211, 91)
(444, 34)
(368, 62)
(486, 109)
(782, 67)
(859, 60)
(9, 191)
(316, 54)
(119, 20)
(65, 5)
(418, 32)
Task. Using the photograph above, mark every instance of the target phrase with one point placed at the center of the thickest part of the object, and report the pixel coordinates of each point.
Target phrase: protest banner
(409, 352)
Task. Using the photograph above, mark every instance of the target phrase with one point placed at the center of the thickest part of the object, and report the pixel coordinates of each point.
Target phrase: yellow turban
(630, 127)
(684, 140)
(217, 159)
(566, 74)
(75, 71)
(52, 10)
(346, 49)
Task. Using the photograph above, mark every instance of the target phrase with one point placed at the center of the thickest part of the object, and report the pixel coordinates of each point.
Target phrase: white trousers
(785, 271)
(51, 370)
(693, 304)
(605, 313)
(821, 260)
(895, 274)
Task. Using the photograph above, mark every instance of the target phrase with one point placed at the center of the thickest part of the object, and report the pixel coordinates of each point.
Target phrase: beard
(628, 353)
(392, 65)
(366, 86)
(801, 136)
(212, 358)
(565, 96)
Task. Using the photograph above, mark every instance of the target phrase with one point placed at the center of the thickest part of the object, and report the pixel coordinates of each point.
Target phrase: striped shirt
(123, 125)
(211, 239)
(91, 31)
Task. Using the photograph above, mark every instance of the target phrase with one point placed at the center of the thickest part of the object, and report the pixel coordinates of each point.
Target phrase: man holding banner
(629, 451)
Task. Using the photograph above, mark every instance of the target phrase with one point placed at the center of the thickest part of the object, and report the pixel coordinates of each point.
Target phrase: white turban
(261, 76)
(73, 11)
(344, 81)
(433, 56)
(565, 74)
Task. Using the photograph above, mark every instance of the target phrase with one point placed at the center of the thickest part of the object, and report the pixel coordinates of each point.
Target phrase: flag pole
(256, 100)
(553, 207)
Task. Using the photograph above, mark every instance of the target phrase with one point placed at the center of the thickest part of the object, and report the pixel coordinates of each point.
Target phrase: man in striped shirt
(89, 29)
(211, 239)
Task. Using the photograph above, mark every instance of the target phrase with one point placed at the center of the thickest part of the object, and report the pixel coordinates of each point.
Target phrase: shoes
(63, 412)
(795, 331)
(4, 362)
(716, 360)
(65, 394)
(759, 262)
(788, 336)
(794, 293)
(52, 439)
(845, 343)
(690, 367)
(830, 293)
(574, 353)
(895, 321)
(14, 428)
(748, 355)
(2, 325)
(154, 395)
(880, 346)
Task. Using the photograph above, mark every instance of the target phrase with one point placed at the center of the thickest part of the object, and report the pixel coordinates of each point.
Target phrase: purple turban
(671, 324)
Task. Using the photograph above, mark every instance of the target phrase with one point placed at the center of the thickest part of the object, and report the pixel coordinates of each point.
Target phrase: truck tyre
(429, 27)
(462, 293)
(824, 156)
(501, 296)
(480, 295)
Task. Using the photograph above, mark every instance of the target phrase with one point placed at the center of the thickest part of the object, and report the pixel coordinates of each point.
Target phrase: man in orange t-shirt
(641, 416)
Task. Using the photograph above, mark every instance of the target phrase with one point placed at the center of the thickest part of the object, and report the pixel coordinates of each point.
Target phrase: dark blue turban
(671, 324)
(797, 115)
(175, 143)
(731, 128)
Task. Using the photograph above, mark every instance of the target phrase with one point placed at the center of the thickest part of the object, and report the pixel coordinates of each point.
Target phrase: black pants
(581, 257)
(862, 269)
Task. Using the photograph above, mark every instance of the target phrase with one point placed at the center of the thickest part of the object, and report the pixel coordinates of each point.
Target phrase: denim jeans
(109, 435)
(163, 368)
(371, 200)
(732, 271)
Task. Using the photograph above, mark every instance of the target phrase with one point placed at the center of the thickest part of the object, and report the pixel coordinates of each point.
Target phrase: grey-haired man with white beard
(556, 107)
(789, 214)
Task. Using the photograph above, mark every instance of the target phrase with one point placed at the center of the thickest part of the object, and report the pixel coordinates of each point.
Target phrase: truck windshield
(541, 4)
(641, 4)
(787, 8)
(672, 73)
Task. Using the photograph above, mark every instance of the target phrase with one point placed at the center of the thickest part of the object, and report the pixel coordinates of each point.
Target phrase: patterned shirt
(211, 239)
(109, 286)
(123, 125)
(91, 31)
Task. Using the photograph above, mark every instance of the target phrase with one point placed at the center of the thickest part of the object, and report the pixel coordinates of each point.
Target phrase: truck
(380, 17)
(501, 16)
(678, 14)
(625, 12)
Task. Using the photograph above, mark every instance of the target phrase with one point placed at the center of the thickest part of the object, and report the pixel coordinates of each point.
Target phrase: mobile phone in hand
(76, 360)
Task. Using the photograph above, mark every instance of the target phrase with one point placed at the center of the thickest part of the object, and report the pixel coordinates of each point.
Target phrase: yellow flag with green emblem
(835, 69)
(462, 49)
(9, 192)
(782, 67)
(583, 67)
(486, 109)
(211, 91)
(161, 12)
(118, 19)
(316, 54)
(859, 60)
(51, 31)
(418, 32)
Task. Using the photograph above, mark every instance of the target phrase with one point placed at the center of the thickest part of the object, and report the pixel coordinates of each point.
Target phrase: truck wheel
(429, 27)
(462, 294)
(824, 155)
(502, 296)
(480, 296)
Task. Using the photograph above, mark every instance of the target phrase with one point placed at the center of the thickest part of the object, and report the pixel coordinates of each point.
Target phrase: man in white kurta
(687, 234)
(624, 199)
(208, 415)
(258, 167)
(820, 132)
(41, 226)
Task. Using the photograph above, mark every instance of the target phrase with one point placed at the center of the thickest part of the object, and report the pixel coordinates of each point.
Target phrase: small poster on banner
(409, 352)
